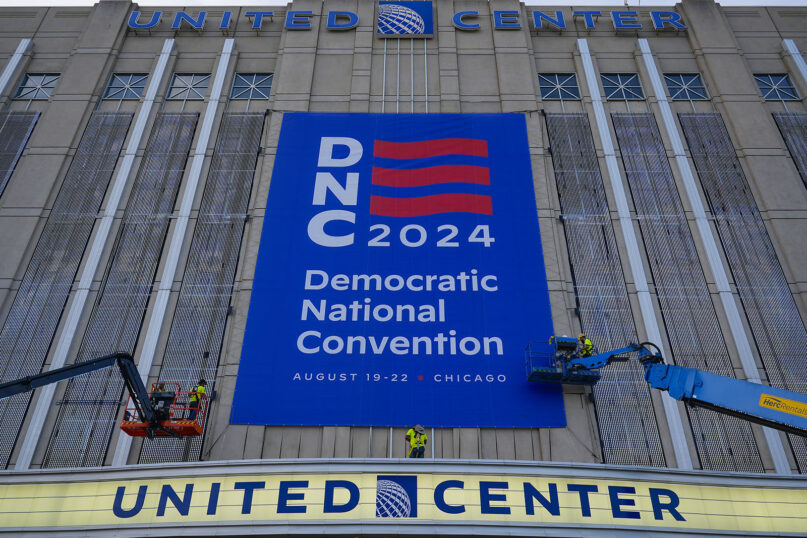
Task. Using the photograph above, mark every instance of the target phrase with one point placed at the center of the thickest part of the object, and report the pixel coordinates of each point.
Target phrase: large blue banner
(399, 276)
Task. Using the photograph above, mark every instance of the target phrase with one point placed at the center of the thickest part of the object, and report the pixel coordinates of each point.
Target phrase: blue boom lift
(761, 404)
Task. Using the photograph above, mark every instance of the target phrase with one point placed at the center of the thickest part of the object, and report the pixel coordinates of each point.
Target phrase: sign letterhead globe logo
(405, 19)
(396, 496)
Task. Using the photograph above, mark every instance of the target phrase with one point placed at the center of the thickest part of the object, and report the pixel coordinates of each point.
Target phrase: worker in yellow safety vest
(584, 346)
(417, 441)
(196, 397)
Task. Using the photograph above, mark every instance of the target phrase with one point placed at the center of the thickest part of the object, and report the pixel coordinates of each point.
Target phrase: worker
(584, 346)
(196, 398)
(417, 441)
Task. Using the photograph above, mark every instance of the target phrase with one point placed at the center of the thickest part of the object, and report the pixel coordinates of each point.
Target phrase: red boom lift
(163, 412)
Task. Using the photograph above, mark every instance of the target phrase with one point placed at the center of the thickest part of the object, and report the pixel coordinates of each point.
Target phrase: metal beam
(680, 447)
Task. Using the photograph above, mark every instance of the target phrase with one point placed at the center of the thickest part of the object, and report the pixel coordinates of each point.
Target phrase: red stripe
(431, 148)
(430, 205)
(455, 173)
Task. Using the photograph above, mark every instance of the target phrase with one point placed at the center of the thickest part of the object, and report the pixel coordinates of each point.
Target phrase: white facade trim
(177, 241)
(14, 63)
(790, 47)
(715, 264)
(614, 176)
(76, 311)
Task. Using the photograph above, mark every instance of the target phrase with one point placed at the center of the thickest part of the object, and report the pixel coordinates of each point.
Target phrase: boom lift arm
(131, 377)
(769, 406)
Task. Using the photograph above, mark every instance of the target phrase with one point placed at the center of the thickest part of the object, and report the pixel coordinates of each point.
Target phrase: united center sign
(414, 19)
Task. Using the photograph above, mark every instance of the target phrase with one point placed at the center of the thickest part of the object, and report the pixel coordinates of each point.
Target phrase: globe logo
(391, 500)
(395, 19)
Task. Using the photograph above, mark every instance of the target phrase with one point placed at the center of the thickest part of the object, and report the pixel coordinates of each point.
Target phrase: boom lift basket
(175, 412)
(550, 364)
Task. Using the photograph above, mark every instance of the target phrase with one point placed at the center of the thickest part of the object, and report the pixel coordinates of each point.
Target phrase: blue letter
(583, 490)
(670, 17)
(258, 20)
(506, 20)
(298, 20)
(485, 497)
(540, 17)
(588, 16)
(616, 502)
(213, 502)
(352, 20)
(352, 502)
(461, 24)
(182, 506)
(284, 497)
(118, 510)
(155, 20)
(225, 20)
(197, 23)
(622, 18)
(248, 488)
(552, 505)
(439, 497)
(658, 506)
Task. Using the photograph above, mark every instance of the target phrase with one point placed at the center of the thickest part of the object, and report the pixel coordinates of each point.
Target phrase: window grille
(622, 87)
(126, 86)
(251, 86)
(189, 86)
(37, 86)
(686, 87)
(559, 86)
(776, 88)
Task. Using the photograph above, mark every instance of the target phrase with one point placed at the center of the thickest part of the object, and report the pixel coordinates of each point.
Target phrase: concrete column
(614, 177)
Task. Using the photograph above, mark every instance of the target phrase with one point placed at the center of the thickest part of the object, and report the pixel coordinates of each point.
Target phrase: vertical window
(251, 86)
(556, 86)
(189, 86)
(622, 87)
(776, 88)
(686, 87)
(126, 86)
(37, 86)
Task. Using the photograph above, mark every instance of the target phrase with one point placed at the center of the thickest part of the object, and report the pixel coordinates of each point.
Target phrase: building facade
(668, 152)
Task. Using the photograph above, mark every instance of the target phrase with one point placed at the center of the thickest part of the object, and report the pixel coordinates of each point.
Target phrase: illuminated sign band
(520, 500)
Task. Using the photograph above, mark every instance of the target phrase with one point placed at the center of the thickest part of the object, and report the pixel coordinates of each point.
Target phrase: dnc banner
(399, 276)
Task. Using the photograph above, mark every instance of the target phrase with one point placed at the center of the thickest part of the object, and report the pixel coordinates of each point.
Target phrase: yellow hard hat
(581, 335)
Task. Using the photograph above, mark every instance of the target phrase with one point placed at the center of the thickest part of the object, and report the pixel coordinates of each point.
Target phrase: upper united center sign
(415, 19)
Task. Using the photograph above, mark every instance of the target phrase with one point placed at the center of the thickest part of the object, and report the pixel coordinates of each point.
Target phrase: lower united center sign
(399, 276)
(479, 499)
